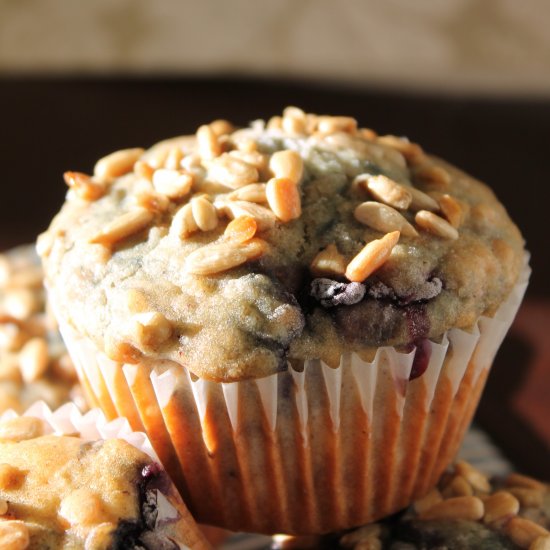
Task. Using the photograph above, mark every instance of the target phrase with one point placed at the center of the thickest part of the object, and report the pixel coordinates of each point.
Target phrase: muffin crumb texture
(66, 492)
(237, 250)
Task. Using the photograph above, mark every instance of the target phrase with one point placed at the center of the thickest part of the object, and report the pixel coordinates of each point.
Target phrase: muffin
(34, 364)
(64, 491)
(301, 314)
(467, 510)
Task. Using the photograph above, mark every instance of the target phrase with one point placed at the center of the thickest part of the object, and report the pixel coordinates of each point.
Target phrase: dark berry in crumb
(151, 470)
(125, 536)
(333, 293)
(369, 321)
(424, 292)
(380, 291)
(421, 358)
(428, 291)
(418, 322)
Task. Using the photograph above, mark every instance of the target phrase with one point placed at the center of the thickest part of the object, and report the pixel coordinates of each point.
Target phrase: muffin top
(236, 251)
(66, 492)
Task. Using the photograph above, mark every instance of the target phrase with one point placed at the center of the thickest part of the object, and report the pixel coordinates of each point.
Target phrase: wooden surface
(48, 126)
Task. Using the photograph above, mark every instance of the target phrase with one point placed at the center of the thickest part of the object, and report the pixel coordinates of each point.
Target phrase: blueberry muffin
(62, 492)
(302, 297)
(34, 364)
(315, 214)
(465, 511)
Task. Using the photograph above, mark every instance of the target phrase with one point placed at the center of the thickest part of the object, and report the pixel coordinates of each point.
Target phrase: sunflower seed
(383, 218)
(388, 191)
(117, 164)
(435, 224)
(215, 258)
(371, 257)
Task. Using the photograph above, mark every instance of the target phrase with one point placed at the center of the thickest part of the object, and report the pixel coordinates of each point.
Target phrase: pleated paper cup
(304, 452)
(173, 517)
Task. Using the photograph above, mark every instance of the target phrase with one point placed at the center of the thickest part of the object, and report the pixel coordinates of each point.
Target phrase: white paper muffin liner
(94, 426)
(91, 426)
(304, 452)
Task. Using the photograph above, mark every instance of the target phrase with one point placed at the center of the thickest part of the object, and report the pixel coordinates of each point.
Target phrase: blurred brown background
(469, 80)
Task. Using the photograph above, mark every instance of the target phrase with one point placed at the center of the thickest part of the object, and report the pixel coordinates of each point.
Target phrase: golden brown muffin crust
(233, 252)
(65, 492)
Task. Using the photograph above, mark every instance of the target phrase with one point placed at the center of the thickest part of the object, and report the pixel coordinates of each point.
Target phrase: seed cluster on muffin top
(235, 251)
(66, 492)
(466, 510)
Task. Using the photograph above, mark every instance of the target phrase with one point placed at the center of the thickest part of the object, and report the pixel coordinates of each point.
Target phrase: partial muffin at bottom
(64, 492)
